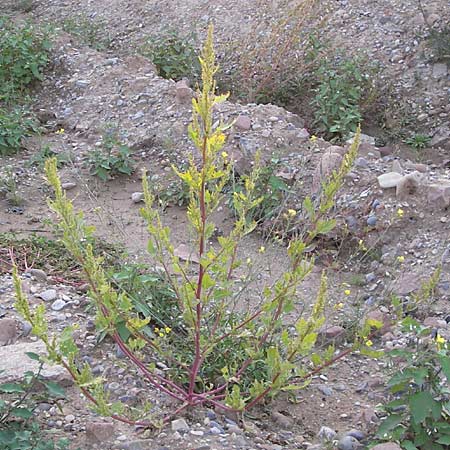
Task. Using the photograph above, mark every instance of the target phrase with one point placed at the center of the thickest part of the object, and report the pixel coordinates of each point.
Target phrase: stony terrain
(396, 201)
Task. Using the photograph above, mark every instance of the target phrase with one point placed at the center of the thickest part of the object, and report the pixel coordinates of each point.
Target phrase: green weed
(173, 56)
(87, 31)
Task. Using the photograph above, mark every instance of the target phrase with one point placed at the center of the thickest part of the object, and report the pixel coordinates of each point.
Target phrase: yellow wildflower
(400, 259)
(262, 249)
(167, 330)
(400, 212)
(313, 138)
(339, 306)
(292, 212)
(440, 341)
(60, 131)
(224, 155)
(161, 334)
(369, 343)
(347, 292)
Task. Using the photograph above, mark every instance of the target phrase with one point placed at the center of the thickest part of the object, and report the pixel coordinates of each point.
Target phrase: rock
(99, 431)
(439, 70)
(39, 274)
(382, 317)
(243, 123)
(26, 328)
(137, 197)
(389, 180)
(408, 185)
(435, 322)
(8, 331)
(368, 150)
(186, 254)
(183, 92)
(396, 167)
(438, 194)
(406, 283)
(328, 163)
(387, 446)
(68, 186)
(15, 363)
(326, 434)
(326, 390)
(49, 295)
(140, 444)
(58, 305)
(357, 434)
(283, 421)
(441, 137)
(180, 425)
(385, 151)
(372, 221)
(331, 332)
(361, 163)
(336, 149)
(348, 443)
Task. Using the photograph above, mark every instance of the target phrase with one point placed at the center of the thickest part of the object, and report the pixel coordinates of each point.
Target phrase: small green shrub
(343, 86)
(418, 141)
(439, 41)
(19, 429)
(23, 57)
(47, 152)
(50, 255)
(87, 31)
(175, 193)
(14, 126)
(269, 188)
(419, 415)
(112, 159)
(173, 56)
(9, 189)
(226, 350)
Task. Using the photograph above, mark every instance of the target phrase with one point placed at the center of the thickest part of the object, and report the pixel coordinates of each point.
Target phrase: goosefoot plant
(263, 355)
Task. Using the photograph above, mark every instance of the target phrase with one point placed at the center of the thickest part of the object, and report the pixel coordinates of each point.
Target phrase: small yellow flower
(347, 292)
(60, 131)
(400, 259)
(249, 260)
(167, 330)
(313, 138)
(161, 334)
(361, 245)
(224, 155)
(339, 306)
(292, 212)
(440, 339)
(369, 343)
(262, 249)
(400, 212)
(156, 330)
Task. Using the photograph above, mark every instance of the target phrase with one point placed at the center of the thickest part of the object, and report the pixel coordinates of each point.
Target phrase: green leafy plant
(19, 428)
(175, 193)
(9, 189)
(87, 31)
(217, 352)
(23, 57)
(418, 141)
(419, 415)
(50, 255)
(113, 159)
(47, 152)
(342, 87)
(174, 57)
(439, 41)
(269, 188)
(14, 126)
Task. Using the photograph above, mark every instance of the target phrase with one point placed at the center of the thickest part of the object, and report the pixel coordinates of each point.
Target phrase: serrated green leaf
(423, 405)
(11, 388)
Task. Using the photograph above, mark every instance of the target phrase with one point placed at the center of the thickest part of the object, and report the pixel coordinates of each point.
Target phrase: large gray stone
(389, 180)
(8, 331)
(387, 446)
(14, 362)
